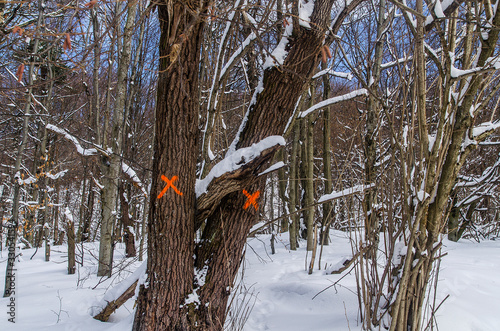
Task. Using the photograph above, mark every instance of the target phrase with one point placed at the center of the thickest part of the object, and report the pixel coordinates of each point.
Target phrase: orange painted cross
(170, 183)
(252, 199)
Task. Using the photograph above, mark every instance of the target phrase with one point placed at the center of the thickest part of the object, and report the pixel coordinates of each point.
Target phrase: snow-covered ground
(276, 286)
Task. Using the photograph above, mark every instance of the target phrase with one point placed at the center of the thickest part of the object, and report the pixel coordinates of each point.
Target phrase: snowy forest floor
(276, 288)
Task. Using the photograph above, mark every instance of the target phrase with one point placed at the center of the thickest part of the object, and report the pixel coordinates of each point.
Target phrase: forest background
(180, 125)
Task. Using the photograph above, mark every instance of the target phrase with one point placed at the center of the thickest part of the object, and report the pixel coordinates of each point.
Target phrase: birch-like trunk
(13, 223)
(111, 172)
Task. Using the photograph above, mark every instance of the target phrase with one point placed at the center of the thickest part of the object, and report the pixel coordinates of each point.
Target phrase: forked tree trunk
(268, 116)
(169, 301)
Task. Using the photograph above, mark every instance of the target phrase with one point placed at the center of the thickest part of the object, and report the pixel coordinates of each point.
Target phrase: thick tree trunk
(228, 226)
(169, 301)
(162, 305)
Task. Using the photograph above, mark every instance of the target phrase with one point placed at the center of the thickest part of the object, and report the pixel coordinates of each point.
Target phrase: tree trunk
(282, 180)
(168, 303)
(70, 231)
(309, 182)
(13, 223)
(162, 305)
(88, 212)
(372, 226)
(229, 225)
(112, 171)
(294, 196)
(145, 213)
(128, 224)
(327, 166)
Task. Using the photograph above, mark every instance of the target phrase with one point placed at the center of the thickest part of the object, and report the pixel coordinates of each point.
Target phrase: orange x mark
(169, 184)
(252, 199)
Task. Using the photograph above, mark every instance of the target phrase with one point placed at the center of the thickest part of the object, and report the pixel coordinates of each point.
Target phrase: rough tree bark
(187, 291)
(171, 231)
(268, 116)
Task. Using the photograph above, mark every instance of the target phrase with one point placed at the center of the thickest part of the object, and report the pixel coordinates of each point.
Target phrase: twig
(326, 288)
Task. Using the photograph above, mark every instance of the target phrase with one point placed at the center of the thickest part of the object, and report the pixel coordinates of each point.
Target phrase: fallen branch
(346, 264)
(119, 294)
(113, 305)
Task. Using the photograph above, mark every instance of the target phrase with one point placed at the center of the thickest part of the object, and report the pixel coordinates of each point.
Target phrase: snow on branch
(438, 11)
(330, 71)
(236, 171)
(133, 176)
(334, 100)
(459, 73)
(116, 291)
(237, 54)
(277, 57)
(67, 136)
(395, 62)
(119, 294)
(346, 192)
(305, 10)
(325, 198)
(486, 176)
(93, 151)
(236, 160)
(56, 176)
(272, 168)
(484, 128)
(27, 181)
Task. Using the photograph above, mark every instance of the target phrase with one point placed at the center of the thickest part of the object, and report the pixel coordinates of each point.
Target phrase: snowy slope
(278, 288)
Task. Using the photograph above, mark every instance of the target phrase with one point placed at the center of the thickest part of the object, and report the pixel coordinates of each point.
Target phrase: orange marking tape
(169, 184)
(252, 199)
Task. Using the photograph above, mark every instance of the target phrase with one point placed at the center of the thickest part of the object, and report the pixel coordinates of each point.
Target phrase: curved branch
(231, 181)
